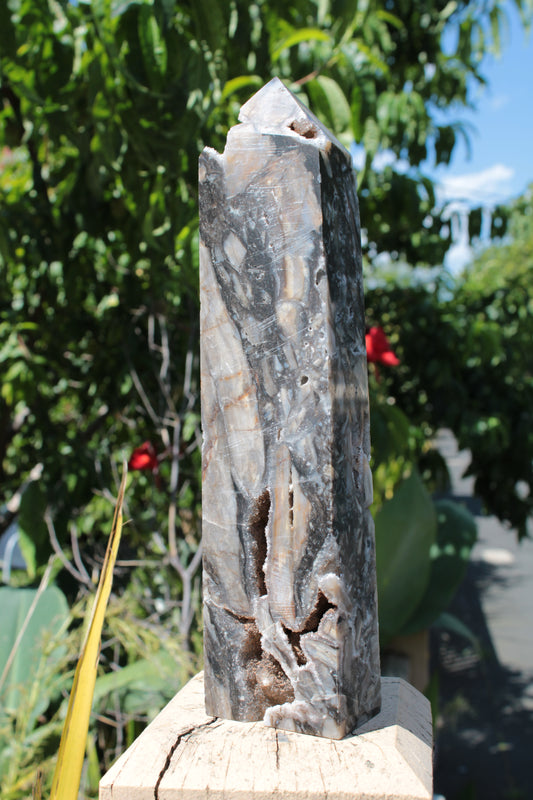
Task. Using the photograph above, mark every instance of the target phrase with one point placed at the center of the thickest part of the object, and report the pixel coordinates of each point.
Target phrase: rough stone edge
(402, 733)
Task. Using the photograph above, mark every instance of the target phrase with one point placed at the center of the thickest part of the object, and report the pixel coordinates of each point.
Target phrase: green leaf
(145, 683)
(117, 7)
(330, 103)
(449, 9)
(386, 109)
(450, 622)
(392, 19)
(49, 613)
(190, 424)
(496, 18)
(299, 36)
(34, 540)
(389, 432)
(456, 535)
(371, 137)
(378, 63)
(210, 22)
(242, 82)
(357, 113)
(153, 47)
(405, 530)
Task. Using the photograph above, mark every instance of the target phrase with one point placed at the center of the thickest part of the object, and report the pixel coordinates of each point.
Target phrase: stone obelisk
(290, 616)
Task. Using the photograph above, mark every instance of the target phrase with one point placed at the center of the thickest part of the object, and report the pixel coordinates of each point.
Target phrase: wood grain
(186, 755)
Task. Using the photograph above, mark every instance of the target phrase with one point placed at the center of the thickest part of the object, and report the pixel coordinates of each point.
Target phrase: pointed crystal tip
(275, 109)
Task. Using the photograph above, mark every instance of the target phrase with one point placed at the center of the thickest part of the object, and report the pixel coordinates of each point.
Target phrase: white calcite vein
(290, 618)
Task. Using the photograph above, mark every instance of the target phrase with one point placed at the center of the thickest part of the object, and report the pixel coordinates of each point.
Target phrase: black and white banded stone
(290, 617)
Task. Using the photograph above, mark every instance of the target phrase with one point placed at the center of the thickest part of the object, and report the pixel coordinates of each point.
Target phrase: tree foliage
(466, 363)
(105, 108)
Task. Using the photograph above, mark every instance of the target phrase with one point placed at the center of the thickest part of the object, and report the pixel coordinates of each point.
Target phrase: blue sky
(500, 165)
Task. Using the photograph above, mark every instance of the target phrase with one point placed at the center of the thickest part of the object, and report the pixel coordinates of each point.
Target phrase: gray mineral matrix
(290, 615)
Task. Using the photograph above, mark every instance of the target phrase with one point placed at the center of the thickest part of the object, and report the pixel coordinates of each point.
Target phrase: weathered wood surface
(187, 755)
(290, 618)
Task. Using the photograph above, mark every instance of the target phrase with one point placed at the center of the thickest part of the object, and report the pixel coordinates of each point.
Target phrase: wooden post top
(187, 755)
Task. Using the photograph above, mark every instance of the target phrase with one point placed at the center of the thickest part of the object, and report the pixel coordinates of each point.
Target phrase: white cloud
(492, 185)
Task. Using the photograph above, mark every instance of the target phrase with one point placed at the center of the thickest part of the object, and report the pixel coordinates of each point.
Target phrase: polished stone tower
(289, 569)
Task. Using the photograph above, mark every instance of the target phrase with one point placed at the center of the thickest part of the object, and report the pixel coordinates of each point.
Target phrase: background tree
(104, 109)
(466, 363)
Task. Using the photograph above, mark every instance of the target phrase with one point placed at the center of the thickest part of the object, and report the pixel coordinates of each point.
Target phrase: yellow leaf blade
(67, 774)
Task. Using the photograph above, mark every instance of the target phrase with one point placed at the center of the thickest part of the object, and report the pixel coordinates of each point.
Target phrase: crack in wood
(173, 749)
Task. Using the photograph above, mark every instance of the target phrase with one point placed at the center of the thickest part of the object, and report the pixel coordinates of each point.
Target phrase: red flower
(378, 349)
(144, 457)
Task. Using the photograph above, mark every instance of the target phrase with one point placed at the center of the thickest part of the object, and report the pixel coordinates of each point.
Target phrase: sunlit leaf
(242, 82)
(67, 774)
(329, 102)
(390, 18)
(299, 36)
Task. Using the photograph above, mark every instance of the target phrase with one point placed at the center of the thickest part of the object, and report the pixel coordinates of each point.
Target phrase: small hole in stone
(272, 681)
(291, 499)
(320, 274)
(257, 527)
(303, 128)
(251, 647)
(322, 605)
(303, 380)
(294, 641)
(264, 675)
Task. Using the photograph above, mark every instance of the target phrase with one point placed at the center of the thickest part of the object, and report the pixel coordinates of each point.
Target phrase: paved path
(485, 746)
